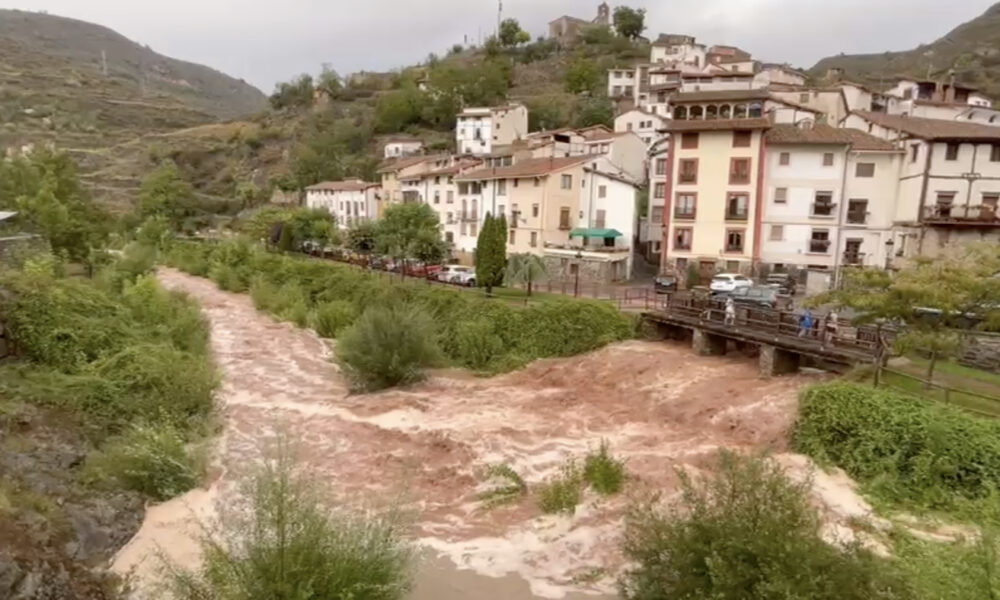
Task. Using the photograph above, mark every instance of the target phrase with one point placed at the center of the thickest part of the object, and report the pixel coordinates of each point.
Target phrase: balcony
(823, 210)
(857, 217)
(469, 217)
(819, 246)
(854, 259)
(982, 215)
(685, 215)
(740, 215)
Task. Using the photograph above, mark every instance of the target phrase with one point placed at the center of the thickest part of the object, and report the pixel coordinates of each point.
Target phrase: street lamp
(576, 282)
(889, 245)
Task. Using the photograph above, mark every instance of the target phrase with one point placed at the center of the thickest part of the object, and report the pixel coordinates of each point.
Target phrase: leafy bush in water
(561, 494)
(330, 318)
(904, 448)
(150, 459)
(285, 544)
(508, 486)
(747, 533)
(388, 346)
(604, 472)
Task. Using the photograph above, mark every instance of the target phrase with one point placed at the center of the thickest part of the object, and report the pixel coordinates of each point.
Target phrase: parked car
(725, 283)
(415, 268)
(466, 278)
(760, 295)
(448, 273)
(782, 281)
(665, 284)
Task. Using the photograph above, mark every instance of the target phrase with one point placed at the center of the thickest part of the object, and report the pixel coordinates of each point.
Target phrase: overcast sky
(266, 41)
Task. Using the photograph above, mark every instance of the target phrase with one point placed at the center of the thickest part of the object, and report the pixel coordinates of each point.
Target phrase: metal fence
(975, 402)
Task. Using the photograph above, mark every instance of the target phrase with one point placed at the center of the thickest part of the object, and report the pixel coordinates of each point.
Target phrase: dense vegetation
(471, 330)
(749, 532)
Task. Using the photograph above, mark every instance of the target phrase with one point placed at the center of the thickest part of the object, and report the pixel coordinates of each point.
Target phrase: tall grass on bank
(472, 331)
(283, 543)
(901, 448)
(748, 532)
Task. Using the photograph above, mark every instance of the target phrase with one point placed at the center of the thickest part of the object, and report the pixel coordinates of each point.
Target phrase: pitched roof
(825, 134)
(932, 129)
(532, 167)
(349, 185)
(717, 124)
(399, 164)
(718, 95)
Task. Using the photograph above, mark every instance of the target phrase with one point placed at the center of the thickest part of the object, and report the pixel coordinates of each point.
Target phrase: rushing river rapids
(660, 407)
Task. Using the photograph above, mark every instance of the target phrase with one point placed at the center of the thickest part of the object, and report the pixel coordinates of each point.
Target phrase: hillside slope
(971, 50)
(85, 45)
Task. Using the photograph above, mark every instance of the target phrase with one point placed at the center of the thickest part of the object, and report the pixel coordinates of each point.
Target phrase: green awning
(595, 233)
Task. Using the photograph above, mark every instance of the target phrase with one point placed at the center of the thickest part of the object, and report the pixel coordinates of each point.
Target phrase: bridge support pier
(775, 361)
(707, 344)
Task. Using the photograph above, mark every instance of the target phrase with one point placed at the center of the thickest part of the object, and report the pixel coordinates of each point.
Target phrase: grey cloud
(266, 45)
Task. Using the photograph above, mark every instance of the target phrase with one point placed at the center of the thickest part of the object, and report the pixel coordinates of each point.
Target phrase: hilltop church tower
(603, 15)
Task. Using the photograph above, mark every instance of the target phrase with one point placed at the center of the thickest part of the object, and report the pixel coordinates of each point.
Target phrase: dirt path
(659, 406)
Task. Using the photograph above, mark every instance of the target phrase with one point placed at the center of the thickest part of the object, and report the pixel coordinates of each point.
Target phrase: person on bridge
(831, 327)
(730, 312)
(805, 323)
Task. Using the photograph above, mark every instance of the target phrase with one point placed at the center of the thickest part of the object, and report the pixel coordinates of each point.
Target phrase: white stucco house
(643, 123)
(398, 146)
(478, 130)
(349, 201)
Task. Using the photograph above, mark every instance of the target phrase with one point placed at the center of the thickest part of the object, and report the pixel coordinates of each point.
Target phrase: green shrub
(228, 278)
(167, 315)
(330, 318)
(747, 533)
(266, 296)
(561, 494)
(507, 487)
(282, 542)
(604, 473)
(150, 459)
(296, 310)
(475, 345)
(387, 346)
(959, 570)
(902, 448)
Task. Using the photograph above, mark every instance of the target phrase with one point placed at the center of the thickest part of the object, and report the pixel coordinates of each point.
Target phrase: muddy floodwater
(658, 405)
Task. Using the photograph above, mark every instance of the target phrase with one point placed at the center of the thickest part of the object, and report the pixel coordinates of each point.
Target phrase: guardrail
(986, 405)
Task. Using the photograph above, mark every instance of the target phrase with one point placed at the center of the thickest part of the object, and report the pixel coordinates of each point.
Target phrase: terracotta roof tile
(532, 167)
(933, 129)
(717, 124)
(718, 95)
(825, 134)
(398, 164)
(350, 185)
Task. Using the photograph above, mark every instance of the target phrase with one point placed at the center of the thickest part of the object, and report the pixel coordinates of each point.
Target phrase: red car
(419, 269)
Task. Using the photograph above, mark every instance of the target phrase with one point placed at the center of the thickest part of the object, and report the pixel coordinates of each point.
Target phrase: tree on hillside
(45, 189)
(511, 33)
(546, 114)
(525, 269)
(398, 109)
(409, 231)
(629, 22)
(329, 81)
(491, 253)
(932, 301)
(166, 193)
(594, 111)
(583, 76)
(293, 94)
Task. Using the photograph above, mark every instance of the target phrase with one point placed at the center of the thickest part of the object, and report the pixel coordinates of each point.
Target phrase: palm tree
(525, 268)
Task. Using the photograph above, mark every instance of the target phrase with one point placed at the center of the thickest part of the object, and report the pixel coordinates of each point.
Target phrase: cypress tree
(484, 253)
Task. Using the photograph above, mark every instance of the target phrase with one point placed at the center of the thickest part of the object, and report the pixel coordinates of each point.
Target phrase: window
(804, 97)
(689, 171)
(534, 239)
(914, 151)
(944, 204)
(563, 218)
(682, 238)
(659, 190)
(437, 180)
(734, 240)
(741, 139)
(739, 170)
(736, 206)
(515, 215)
(780, 195)
(538, 181)
(534, 211)
(628, 127)
(823, 206)
(449, 237)
(451, 197)
(656, 215)
(828, 159)
(437, 197)
(661, 165)
(857, 211)
(686, 206)
(511, 237)
(864, 170)
(599, 222)
(995, 153)
(501, 187)
(777, 233)
(566, 182)
(473, 229)
(515, 183)
(819, 242)
(602, 191)
(689, 141)
(951, 152)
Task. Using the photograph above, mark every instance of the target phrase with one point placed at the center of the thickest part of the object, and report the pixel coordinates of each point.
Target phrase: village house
(349, 201)
(829, 200)
(645, 124)
(712, 193)
(478, 130)
(949, 181)
(651, 224)
(678, 49)
(739, 104)
(770, 73)
(398, 146)
(567, 30)
(392, 172)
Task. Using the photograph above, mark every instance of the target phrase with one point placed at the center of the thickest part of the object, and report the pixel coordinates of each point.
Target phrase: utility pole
(499, 16)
